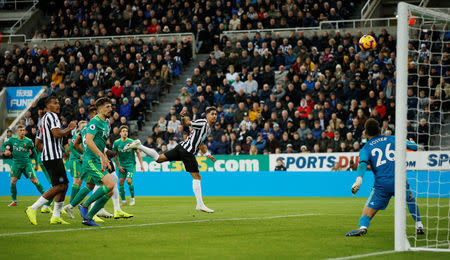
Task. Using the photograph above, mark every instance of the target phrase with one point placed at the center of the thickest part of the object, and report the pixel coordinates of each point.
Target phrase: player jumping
(21, 147)
(186, 150)
(126, 163)
(379, 153)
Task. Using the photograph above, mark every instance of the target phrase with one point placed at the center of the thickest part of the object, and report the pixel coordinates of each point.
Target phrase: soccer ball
(367, 43)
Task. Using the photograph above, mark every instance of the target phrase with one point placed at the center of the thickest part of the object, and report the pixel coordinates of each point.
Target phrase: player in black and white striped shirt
(186, 150)
(50, 137)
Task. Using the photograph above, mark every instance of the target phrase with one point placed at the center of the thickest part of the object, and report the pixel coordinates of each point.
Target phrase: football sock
(57, 209)
(14, 192)
(47, 204)
(149, 151)
(115, 199)
(131, 187)
(75, 190)
(41, 201)
(39, 187)
(413, 208)
(96, 195)
(80, 196)
(98, 205)
(196, 186)
(122, 191)
(364, 222)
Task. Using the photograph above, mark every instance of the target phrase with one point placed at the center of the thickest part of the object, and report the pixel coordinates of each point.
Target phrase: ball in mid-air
(367, 43)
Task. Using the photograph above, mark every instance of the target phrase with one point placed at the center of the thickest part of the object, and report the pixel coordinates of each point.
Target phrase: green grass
(225, 236)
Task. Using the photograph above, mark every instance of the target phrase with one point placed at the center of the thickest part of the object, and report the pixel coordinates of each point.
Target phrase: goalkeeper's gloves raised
(356, 185)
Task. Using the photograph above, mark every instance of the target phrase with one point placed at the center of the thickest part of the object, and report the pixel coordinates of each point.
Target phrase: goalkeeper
(379, 154)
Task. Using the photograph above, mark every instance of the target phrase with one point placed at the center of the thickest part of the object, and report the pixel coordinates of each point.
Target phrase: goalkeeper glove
(356, 185)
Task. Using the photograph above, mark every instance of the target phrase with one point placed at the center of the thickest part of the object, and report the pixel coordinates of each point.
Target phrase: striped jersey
(199, 132)
(52, 146)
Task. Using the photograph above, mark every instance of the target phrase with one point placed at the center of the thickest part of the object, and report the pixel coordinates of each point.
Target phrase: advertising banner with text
(18, 98)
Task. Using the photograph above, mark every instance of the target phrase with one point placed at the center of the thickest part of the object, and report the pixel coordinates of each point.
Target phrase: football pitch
(241, 228)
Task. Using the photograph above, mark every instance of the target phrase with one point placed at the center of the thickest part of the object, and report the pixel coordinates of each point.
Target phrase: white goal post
(434, 205)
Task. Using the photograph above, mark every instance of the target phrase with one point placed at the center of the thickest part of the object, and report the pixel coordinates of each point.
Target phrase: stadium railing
(21, 38)
(358, 23)
(352, 26)
(17, 2)
(24, 17)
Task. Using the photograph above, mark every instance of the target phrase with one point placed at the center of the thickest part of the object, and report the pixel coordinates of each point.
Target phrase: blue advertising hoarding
(18, 98)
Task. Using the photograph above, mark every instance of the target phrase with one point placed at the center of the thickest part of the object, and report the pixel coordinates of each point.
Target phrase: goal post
(401, 241)
(428, 120)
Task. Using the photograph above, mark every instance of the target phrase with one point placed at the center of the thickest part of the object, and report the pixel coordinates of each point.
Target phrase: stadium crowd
(133, 73)
(302, 94)
(207, 19)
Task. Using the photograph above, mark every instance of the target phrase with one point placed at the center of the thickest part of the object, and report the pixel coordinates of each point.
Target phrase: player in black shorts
(185, 151)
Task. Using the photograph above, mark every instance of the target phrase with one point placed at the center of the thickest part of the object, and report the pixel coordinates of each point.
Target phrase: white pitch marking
(153, 224)
(364, 255)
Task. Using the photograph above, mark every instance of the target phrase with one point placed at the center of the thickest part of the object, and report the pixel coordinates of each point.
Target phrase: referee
(52, 135)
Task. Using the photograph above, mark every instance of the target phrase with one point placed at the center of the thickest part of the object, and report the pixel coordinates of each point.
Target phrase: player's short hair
(92, 110)
(102, 101)
(209, 109)
(49, 99)
(20, 127)
(123, 127)
(372, 127)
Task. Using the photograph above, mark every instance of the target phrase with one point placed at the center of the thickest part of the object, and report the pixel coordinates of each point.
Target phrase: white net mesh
(429, 125)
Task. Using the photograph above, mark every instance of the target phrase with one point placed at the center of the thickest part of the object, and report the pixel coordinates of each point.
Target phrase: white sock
(57, 209)
(149, 151)
(93, 191)
(197, 187)
(115, 197)
(419, 224)
(45, 207)
(41, 201)
(362, 227)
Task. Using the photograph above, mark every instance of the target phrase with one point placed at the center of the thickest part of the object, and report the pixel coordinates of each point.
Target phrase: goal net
(423, 115)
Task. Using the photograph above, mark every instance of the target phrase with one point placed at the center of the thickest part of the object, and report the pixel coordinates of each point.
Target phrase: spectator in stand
(117, 89)
(125, 109)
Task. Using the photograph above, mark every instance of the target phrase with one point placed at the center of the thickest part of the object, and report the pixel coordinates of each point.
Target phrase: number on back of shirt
(389, 154)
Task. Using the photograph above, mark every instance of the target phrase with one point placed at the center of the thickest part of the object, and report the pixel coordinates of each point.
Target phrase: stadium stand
(301, 94)
(133, 73)
(275, 94)
(207, 19)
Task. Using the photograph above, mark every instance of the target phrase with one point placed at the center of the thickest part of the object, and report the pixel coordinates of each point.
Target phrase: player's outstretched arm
(362, 168)
(204, 149)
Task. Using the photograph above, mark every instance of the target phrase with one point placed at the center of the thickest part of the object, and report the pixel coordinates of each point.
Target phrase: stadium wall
(251, 176)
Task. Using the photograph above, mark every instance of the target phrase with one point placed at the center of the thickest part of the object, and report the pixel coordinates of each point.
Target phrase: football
(367, 43)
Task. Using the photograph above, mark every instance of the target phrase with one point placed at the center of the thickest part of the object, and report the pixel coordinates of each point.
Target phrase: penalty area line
(153, 224)
(364, 255)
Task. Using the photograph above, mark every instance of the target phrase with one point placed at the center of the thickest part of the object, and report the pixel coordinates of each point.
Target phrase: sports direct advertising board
(436, 160)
